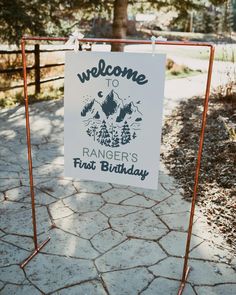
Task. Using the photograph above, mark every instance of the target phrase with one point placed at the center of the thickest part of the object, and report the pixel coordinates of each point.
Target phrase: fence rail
(32, 51)
(20, 69)
(36, 67)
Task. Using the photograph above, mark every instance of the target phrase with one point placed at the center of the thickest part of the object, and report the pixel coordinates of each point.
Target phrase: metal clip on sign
(154, 39)
(74, 39)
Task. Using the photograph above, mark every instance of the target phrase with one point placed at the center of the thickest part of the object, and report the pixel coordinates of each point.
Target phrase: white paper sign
(113, 117)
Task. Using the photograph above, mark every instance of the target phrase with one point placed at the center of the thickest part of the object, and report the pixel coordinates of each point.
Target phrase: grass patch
(18, 99)
(174, 71)
(178, 75)
(225, 52)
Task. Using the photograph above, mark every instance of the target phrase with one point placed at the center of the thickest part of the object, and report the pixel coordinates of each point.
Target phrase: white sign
(113, 116)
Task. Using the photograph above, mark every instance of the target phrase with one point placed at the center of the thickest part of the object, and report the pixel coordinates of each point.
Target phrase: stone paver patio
(105, 238)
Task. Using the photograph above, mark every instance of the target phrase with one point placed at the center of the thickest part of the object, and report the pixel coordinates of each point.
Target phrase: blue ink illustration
(111, 120)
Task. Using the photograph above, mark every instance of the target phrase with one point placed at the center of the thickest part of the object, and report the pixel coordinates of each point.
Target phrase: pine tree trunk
(119, 23)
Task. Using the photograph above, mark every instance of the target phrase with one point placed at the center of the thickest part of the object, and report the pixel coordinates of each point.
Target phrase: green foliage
(218, 2)
(54, 17)
(234, 14)
(227, 20)
(20, 17)
(211, 17)
(229, 126)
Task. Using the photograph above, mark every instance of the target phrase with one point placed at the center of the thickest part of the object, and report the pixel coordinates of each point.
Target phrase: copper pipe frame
(186, 268)
(34, 253)
(30, 163)
(197, 172)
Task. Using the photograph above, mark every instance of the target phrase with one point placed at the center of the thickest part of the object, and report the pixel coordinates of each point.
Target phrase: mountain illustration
(112, 103)
(111, 120)
(87, 108)
(97, 116)
(93, 109)
(129, 109)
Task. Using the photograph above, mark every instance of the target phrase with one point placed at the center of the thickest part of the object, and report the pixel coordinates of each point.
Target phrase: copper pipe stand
(36, 251)
(183, 282)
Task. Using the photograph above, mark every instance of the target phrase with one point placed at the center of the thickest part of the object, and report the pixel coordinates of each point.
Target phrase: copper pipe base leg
(36, 251)
(182, 285)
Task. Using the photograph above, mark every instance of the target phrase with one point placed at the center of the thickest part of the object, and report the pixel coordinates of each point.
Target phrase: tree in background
(216, 18)
(206, 21)
(120, 19)
(41, 17)
(36, 17)
(234, 14)
(228, 17)
(54, 17)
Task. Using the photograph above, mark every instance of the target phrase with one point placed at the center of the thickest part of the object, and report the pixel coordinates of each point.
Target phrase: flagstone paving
(106, 239)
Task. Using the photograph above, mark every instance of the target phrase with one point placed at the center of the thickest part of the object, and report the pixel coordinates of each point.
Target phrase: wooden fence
(36, 68)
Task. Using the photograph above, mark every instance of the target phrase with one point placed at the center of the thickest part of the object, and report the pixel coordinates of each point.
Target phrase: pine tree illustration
(125, 134)
(89, 132)
(134, 135)
(115, 139)
(94, 131)
(112, 130)
(103, 135)
(114, 136)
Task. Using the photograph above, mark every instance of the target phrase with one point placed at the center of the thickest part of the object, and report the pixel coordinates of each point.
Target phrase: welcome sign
(113, 117)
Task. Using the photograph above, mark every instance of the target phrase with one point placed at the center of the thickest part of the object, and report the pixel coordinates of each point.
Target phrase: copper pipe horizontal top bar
(125, 41)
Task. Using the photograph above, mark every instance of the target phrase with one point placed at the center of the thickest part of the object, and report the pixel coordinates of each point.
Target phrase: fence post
(37, 68)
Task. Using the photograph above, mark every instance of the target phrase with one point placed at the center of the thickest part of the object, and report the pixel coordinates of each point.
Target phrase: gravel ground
(216, 193)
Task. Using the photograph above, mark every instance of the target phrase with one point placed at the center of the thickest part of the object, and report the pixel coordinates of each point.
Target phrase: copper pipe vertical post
(198, 165)
(30, 163)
